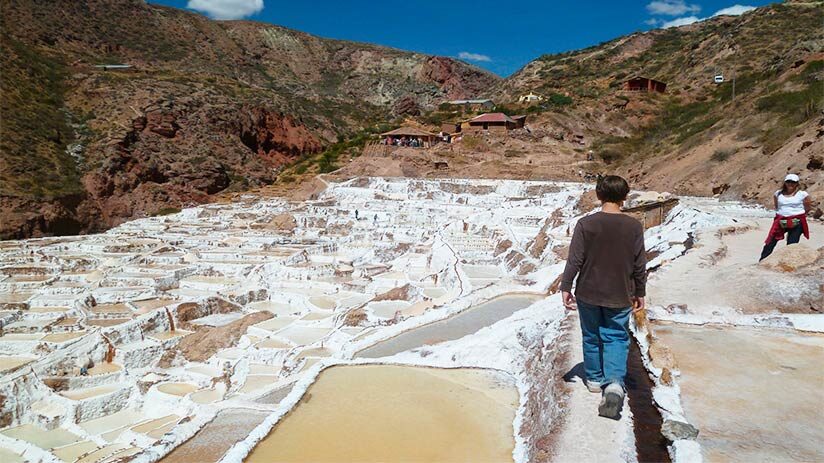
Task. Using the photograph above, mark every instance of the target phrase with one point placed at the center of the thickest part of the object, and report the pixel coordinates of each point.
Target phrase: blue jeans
(606, 342)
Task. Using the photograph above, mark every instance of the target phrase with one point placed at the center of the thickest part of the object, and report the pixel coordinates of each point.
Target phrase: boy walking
(607, 255)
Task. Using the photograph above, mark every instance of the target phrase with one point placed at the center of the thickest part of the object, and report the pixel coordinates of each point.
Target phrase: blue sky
(500, 36)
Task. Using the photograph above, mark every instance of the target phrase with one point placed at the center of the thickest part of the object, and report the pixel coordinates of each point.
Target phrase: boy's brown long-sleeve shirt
(607, 253)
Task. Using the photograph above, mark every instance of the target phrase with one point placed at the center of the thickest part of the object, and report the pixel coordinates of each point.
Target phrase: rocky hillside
(205, 106)
(695, 138)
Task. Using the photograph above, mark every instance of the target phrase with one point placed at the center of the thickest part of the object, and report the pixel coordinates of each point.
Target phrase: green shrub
(167, 211)
(34, 128)
(439, 117)
(238, 180)
(677, 122)
(327, 162)
(722, 154)
(797, 105)
(560, 100)
(744, 83)
(612, 155)
(809, 72)
(502, 108)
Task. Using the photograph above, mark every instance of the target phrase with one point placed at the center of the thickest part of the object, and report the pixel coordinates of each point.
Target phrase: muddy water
(104, 368)
(755, 394)
(396, 413)
(464, 323)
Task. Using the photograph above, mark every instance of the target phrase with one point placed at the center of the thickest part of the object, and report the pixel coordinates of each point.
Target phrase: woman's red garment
(777, 232)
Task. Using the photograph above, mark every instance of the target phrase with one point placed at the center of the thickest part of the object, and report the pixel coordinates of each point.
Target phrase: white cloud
(653, 21)
(672, 7)
(680, 21)
(734, 10)
(226, 9)
(473, 56)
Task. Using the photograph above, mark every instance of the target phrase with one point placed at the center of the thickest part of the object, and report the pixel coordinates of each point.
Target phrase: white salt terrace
(442, 274)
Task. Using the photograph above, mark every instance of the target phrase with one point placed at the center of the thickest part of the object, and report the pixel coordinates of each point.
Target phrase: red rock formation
(276, 137)
(456, 79)
(406, 106)
(207, 105)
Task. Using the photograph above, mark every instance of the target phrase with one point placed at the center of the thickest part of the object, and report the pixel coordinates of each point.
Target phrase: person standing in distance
(791, 207)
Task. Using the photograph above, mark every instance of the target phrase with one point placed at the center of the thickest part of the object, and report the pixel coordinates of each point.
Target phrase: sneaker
(593, 386)
(612, 401)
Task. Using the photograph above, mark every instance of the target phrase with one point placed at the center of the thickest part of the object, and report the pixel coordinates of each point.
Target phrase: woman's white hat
(791, 178)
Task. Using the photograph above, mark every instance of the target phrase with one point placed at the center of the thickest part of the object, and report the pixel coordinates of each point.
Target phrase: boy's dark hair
(612, 189)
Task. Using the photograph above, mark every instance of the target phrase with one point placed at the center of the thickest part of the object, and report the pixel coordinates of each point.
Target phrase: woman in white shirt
(791, 208)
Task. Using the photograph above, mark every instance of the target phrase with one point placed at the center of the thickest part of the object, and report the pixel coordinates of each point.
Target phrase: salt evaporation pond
(211, 442)
(87, 393)
(104, 368)
(206, 396)
(372, 413)
(179, 389)
(755, 394)
(10, 362)
(323, 302)
(464, 323)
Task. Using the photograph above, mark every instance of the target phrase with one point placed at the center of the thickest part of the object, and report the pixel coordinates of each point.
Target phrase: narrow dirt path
(582, 434)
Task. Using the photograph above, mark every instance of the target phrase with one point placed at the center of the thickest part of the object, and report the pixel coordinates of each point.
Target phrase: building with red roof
(644, 84)
(491, 122)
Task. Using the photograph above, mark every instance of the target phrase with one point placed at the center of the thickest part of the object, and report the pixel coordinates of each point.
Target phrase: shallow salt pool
(397, 413)
(88, 393)
(457, 326)
(179, 389)
(211, 442)
(303, 335)
(387, 309)
(10, 362)
(755, 394)
(206, 396)
(323, 302)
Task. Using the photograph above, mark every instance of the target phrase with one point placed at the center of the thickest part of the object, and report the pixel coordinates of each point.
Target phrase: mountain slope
(206, 106)
(695, 138)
